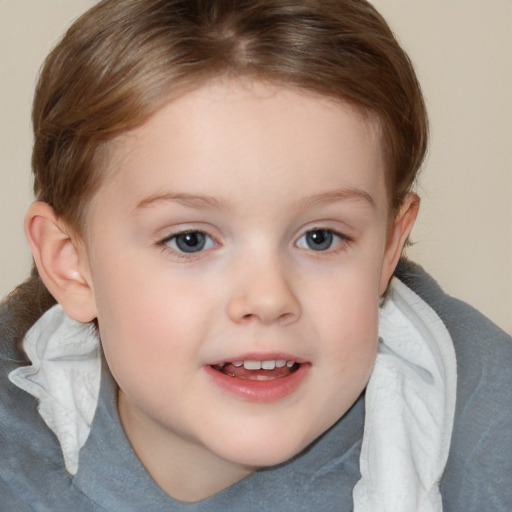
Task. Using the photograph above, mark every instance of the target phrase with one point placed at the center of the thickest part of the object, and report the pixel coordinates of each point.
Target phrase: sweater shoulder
(477, 475)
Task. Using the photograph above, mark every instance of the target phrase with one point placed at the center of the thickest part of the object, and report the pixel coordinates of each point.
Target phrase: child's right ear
(61, 261)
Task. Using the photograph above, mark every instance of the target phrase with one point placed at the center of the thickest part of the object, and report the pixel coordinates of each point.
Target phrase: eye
(319, 240)
(189, 242)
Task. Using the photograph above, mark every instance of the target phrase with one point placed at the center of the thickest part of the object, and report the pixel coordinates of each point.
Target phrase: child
(223, 193)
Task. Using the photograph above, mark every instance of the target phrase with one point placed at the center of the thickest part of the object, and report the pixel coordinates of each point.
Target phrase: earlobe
(399, 232)
(59, 262)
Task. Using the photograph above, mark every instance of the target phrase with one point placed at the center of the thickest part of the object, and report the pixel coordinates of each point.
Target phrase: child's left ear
(399, 232)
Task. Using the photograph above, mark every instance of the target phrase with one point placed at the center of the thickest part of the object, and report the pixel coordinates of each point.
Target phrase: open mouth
(261, 379)
(257, 370)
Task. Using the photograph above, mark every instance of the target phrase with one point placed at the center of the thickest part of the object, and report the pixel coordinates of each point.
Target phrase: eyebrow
(337, 195)
(190, 200)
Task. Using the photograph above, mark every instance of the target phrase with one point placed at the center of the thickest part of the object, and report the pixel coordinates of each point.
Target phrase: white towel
(410, 406)
(64, 376)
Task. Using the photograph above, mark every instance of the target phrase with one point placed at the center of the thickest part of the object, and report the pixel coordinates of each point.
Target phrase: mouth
(260, 379)
(253, 369)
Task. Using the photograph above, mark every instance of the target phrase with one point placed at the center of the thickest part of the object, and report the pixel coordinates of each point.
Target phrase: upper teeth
(265, 365)
(252, 364)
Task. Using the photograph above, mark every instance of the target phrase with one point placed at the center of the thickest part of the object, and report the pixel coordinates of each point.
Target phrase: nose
(263, 293)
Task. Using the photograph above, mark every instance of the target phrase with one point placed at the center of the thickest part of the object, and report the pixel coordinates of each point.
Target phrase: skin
(255, 167)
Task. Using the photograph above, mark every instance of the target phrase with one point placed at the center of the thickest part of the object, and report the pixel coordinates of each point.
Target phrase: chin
(262, 453)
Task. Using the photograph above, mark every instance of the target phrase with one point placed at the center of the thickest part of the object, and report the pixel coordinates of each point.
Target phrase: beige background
(463, 53)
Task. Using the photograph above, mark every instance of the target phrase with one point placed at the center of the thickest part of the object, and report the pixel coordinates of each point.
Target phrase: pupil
(190, 242)
(319, 240)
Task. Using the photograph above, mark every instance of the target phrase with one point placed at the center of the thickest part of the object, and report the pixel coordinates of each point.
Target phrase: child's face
(241, 223)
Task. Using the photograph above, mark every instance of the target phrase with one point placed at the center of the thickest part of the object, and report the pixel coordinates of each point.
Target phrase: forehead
(247, 131)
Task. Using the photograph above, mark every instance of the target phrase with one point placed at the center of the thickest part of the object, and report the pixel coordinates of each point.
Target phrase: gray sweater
(478, 475)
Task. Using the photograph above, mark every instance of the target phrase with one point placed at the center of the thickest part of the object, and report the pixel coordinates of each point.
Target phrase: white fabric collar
(410, 406)
(64, 376)
(410, 399)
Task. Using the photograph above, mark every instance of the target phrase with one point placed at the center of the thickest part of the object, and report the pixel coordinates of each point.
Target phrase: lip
(260, 390)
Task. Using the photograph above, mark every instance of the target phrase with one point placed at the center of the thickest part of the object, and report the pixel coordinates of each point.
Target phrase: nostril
(287, 317)
(266, 305)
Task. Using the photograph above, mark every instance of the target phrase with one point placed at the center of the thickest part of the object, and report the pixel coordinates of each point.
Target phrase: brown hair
(123, 59)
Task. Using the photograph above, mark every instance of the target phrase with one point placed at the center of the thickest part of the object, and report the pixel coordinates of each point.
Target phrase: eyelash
(208, 243)
(339, 240)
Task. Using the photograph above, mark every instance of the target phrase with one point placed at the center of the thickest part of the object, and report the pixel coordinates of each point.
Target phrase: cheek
(348, 325)
(348, 301)
(348, 334)
(352, 338)
(148, 334)
(155, 314)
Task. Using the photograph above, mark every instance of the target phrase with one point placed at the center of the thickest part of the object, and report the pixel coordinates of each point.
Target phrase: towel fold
(64, 376)
(409, 411)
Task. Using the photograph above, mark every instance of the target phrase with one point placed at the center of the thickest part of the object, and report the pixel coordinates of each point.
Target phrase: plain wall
(463, 55)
